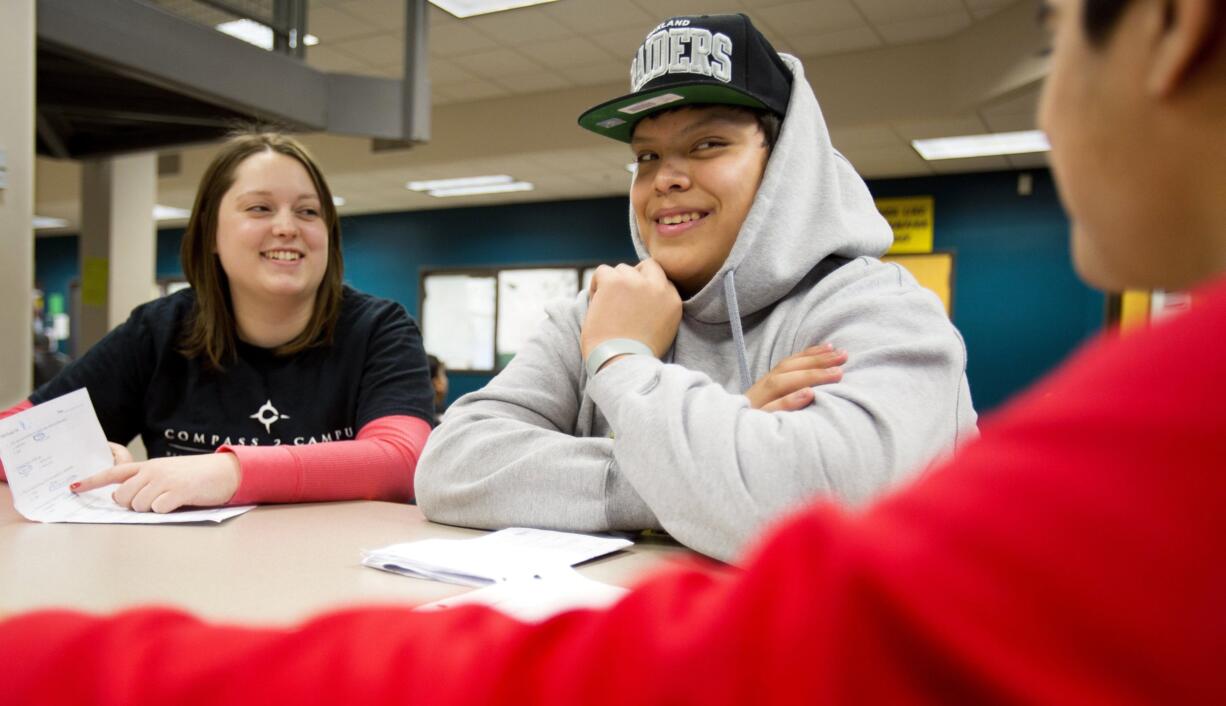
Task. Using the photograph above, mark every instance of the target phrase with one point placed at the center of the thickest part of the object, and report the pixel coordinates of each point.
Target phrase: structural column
(16, 199)
(118, 242)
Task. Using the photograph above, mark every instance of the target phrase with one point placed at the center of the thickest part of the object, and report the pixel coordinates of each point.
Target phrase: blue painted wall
(1017, 301)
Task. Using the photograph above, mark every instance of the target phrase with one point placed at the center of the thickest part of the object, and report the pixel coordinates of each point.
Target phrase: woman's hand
(166, 484)
(789, 385)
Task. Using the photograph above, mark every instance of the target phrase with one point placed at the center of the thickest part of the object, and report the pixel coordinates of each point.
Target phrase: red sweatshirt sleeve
(378, 464)
(19, 407)
(1070, 556)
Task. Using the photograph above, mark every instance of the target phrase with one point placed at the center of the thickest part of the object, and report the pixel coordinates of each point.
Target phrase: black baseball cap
(696, 59)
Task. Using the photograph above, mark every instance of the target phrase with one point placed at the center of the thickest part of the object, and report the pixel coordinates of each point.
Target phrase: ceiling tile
(470, 90)
(596, 74)
(622, 43)
(444, 71)
(458, 38)
(847, 40)
(562, 52)
(944, 127)
(437, 17)
(886, 161)
(872, 136)
(533, 82)
(586, 15)
(1009, 122)
(1036, 160)
(925, 28)
(384, 14)
(499, 62)
(799, 18)
(891, 11)
(517, 27)
(660, 10)
(985, 8)
(377, 50)
(333, 25)
(327, 58)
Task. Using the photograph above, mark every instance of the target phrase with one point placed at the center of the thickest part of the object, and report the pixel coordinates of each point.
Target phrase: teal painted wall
(1017, 301)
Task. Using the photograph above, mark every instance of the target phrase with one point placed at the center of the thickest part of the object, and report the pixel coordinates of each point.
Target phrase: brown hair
(211, 331)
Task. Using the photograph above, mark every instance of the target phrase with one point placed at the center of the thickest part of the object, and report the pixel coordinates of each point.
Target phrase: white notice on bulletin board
(458, 320)
(522, 295)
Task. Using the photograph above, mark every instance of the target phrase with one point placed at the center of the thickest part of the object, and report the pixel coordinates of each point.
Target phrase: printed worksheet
(48, 447)
(491, 558)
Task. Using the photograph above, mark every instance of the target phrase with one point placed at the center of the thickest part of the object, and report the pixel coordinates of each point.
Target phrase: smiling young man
(1070, 556)
(692, 392)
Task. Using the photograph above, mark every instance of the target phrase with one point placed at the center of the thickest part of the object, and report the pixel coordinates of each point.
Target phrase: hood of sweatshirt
(811, 204)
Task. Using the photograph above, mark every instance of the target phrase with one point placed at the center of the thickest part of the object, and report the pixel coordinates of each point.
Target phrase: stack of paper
(48, 447)
(493, 558)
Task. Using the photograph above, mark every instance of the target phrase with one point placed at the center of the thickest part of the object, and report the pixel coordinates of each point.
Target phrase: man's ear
(1188, 32)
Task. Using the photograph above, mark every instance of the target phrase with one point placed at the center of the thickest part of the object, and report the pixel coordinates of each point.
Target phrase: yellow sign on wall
(95, 277)
(934, 271)
(911, 220)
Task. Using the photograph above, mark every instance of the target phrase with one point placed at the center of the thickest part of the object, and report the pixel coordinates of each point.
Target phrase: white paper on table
(47, 447)
(499, 556)
(537, 598)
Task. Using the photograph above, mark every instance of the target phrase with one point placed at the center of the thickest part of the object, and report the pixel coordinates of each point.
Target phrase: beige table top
(277, 564)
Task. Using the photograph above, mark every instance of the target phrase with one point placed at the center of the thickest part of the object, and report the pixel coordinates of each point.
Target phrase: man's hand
(631, 302)
(789, 385)
(166, 484)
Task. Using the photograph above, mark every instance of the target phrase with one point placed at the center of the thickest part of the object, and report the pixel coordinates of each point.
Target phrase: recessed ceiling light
(490, 189)
(459, 183)
(338, 200)
(45, 222)
(169, 213)
(632, 167)
(990, 145)
(255, 33)
(468, 8)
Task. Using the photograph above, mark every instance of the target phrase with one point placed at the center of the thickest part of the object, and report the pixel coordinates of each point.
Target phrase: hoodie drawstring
(738, 336)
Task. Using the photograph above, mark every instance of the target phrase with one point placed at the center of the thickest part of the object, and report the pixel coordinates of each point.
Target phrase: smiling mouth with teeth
(679, 218)
(284, 255)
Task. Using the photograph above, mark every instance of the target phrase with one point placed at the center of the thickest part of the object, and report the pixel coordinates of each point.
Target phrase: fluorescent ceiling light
(490, 189)
(338, 200)
(982, 145)
(468, 8)
(459, 183)
(44, 222)
(169, 213)
(255, 33)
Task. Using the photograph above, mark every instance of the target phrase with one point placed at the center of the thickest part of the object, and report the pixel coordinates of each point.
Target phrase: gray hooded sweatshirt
(675, 445)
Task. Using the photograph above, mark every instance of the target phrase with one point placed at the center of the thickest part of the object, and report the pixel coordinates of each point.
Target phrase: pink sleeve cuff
(376, 465)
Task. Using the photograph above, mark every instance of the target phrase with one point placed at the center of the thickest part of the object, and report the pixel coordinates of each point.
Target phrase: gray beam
(161, 48)
(415, 101)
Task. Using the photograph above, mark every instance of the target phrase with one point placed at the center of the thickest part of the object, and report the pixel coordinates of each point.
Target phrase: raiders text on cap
(664, 52)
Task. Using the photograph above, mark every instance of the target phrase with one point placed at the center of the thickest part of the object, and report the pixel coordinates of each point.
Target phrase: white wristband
(613, 348)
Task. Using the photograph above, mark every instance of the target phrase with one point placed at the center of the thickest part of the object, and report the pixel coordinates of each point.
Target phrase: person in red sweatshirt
(1072, 555)
(268, 380)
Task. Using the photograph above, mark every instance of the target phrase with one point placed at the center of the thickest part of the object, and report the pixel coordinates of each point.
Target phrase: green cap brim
(617, 118)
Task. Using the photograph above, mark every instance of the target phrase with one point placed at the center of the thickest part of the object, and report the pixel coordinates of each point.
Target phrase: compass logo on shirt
(267, 415)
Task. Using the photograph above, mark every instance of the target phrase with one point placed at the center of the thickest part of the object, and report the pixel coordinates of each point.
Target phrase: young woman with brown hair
(268, 380)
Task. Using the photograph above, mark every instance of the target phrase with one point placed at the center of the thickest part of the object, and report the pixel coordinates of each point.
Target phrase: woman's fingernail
(74, 486)
(835, 371)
